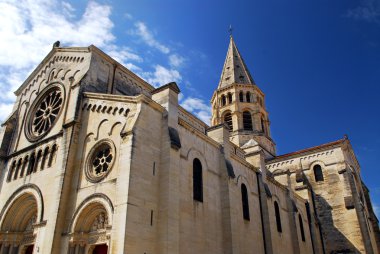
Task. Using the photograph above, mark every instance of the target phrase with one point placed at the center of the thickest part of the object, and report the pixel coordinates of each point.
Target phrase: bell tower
(240, 103)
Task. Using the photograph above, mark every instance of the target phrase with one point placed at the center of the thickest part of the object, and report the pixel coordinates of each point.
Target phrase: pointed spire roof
(234, 69)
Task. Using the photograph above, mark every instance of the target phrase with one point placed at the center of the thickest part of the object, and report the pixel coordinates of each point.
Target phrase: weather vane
(230, 30)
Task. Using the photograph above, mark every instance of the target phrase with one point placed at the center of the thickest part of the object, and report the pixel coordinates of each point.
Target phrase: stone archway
(17, 234)
(91, 230)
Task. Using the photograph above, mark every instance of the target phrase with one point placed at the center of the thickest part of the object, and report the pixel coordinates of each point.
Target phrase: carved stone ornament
(100, 222)
(44, 112)
(100, 160)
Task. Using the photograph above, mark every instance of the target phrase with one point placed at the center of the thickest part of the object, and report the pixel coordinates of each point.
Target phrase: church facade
(94, 159)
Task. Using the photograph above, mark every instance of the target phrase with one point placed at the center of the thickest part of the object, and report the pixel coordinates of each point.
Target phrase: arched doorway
(100, 249)
(92, 231)
(17, 228)
(29, 249)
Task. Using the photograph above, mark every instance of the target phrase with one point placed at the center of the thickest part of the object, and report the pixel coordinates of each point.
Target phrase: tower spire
(234, 69)
(239, 103)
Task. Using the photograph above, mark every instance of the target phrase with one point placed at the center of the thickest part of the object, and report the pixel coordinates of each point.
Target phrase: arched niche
(91, 225)
(18, 223)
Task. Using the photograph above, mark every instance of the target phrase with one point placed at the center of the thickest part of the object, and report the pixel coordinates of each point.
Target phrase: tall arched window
(223, 100)
(11, 171)
(24, 166)
(241, 97)
(32, 161)
(52, 155)
(263, 125)
(247, 120)
(197, 180)
(229, 98)
(301, 227)
(18, 167)
(318, 175)
(228, 120)
(278, 216)
(44, 156)
(244, 201)
(248, 97)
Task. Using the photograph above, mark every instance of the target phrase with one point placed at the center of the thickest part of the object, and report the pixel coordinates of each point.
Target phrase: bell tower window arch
(229, 96)
(228, 120)
(248, 97)
(247, 121)
(241, 97)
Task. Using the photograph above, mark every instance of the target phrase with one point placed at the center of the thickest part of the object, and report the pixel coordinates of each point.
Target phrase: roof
(303, 151)
(234, 69)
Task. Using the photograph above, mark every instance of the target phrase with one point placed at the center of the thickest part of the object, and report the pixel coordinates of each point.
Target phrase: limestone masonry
(94, 159)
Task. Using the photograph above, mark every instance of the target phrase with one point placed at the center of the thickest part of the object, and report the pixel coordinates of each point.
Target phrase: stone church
(94, 159)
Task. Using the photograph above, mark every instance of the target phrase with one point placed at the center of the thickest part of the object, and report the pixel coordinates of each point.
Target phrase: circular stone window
(100, 160)
(44, 113)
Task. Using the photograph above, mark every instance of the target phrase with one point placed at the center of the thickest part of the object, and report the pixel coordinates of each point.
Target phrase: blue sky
(318, 62)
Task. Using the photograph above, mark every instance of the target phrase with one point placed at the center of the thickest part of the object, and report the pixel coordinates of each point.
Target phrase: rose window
(44, 113)
(47, 112)
(100, 160)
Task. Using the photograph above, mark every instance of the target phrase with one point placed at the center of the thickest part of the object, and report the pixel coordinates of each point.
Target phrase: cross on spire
(230, 30)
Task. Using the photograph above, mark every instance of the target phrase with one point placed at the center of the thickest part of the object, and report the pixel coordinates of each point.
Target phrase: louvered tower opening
(228, 120)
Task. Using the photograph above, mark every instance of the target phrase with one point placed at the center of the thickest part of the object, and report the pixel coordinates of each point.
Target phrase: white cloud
(176, 60)
(180, 96)
(123, 54)
(29, 28)
(5, 108)
(198, 107)
(68, 9)
(147, 36)
(162, 76)
(27, 34)
(369, 10)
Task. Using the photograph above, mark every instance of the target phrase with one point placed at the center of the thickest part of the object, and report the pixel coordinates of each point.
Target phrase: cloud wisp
(369, 10)
(161, 76)
(147, 36)
(28, 34)
(198, 107)
(26, 28)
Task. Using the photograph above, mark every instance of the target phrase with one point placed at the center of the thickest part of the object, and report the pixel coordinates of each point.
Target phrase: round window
(44, 113)
(100, 160)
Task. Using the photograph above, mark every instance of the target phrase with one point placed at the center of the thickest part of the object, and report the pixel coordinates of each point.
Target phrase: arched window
(24, 165)
(263, 125)
(228, 120)
(241, 97)
(247, 120)
(32, 161)
(318, 175)
(278, 216)
(301, 227)
(52, 155)
(197, 180)
(229, 98)
(11, 171)
(44, 156)
(244, 201)
(248, 97)
(19, 164)
(223, 100)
